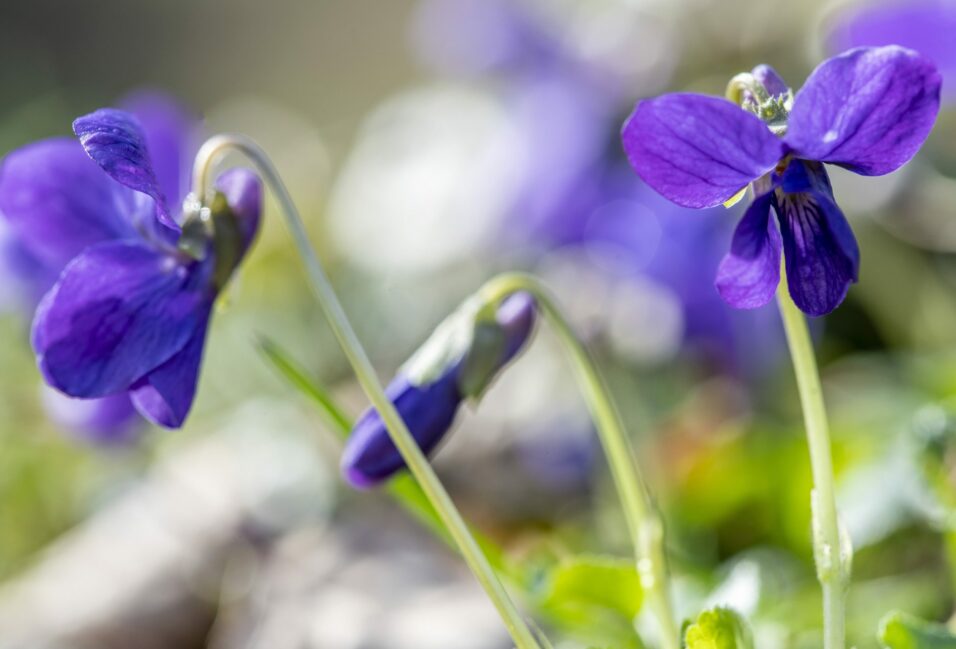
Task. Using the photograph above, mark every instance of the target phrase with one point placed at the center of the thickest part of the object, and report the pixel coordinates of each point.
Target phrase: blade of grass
(292, 372)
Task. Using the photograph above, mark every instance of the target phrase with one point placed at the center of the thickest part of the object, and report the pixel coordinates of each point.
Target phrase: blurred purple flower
(927, 26)
(478, 36)
(429, 408)
(868, 110)
(129, 312)
(108, 421)
(606, 47)
(23, 277)
(575, 196)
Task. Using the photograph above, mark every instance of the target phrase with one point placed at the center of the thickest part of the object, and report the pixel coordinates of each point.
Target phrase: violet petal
(696, 150)
(165, 395)
(58, 202)
(115, 140)
(243, 191)
(171, 136)
(748, 275)
(770, 79)
(118, 311)
(868, 110)
(822, 256)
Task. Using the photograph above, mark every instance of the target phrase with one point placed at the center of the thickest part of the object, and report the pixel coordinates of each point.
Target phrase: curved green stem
(365, 373)
(644, 525)
(832, 550)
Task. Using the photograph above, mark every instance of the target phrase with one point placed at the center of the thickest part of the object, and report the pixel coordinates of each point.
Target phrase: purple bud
(370, 456)
(772, 81)
(429, 409)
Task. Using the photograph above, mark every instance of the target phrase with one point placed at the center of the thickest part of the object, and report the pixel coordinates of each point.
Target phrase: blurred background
(430, 145)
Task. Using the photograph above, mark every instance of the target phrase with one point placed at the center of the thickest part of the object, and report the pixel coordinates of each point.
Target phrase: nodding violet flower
(130, 310)
(49, 192)
(868, 110)
(459, 361)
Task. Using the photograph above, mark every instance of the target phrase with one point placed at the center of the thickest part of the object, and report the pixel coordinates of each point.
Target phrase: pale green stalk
(365, 373)
(833, 553)
(831, 547)
(643, 523)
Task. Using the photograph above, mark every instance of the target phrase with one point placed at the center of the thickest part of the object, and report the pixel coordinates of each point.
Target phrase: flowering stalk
(832, 551)
(365, 373)
(868, 110)
(643, 523)
(831, 547)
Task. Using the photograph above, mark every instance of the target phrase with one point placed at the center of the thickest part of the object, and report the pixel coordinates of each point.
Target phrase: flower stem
(402, 488)
(402, 438)
(831, 547)
(644, 524)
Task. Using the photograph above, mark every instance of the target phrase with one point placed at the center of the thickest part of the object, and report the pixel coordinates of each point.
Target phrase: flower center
(750, 94)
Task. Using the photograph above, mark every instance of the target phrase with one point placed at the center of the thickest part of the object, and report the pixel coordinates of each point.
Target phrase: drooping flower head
(129, 311)
(458, 362)
(52, 217)
(868, 110)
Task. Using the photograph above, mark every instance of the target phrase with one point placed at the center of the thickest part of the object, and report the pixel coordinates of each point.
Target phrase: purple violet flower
(129, 312)
(30, 264)
(868, 110)
(429, 389)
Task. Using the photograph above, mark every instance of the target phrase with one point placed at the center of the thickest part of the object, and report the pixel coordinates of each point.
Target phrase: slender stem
(644, 525)
(402, 488)
(402, 438)
(831, 547)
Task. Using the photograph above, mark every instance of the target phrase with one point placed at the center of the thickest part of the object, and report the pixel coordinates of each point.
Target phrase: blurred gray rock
(147, 570)
(370, 581)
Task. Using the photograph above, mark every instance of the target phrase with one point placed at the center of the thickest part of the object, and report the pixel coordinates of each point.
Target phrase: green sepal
(227, 241)
(194, 238)
(471, 336)
(900, 630)
(447, 345)
(719, 628)
(482, 360)
(214, 228)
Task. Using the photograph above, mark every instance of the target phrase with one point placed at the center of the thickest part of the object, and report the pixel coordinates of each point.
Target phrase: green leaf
(597, 596)
(306, 385)
(900, 630)
(719, 628)
(934, 437)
